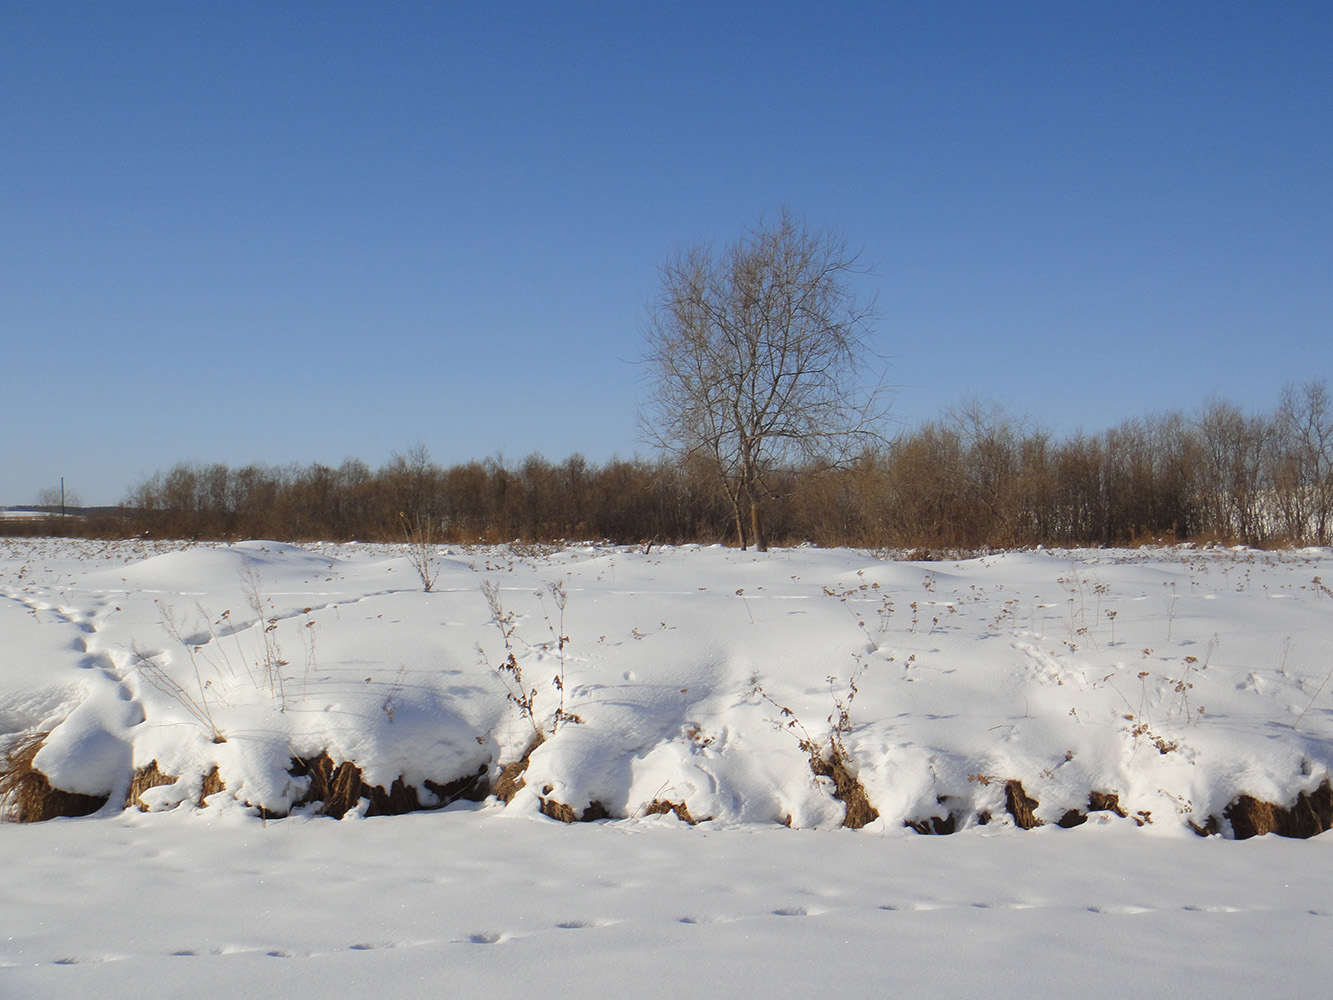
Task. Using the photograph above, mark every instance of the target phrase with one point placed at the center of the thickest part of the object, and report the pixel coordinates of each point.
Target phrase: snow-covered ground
(1175, 680)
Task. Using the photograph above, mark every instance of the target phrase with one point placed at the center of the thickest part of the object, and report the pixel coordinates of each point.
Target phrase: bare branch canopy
(760, 361)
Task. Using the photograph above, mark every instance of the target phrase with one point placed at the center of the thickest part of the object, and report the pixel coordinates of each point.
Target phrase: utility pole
(62, 497)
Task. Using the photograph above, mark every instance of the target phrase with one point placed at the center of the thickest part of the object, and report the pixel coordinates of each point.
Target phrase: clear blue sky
(297, 232)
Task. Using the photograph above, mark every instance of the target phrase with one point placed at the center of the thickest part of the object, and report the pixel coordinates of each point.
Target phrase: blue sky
(298, 232)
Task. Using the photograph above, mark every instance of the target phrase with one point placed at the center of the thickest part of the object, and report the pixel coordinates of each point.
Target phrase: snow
(1176, 679)
(20, 514)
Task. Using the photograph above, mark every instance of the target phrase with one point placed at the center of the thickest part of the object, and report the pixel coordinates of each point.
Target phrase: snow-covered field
(1174, 680)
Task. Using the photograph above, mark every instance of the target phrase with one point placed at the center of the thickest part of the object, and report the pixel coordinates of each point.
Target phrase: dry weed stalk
(157, 676)
(1182, 686)
(829, 756)
(517, 691)
(308, 644)
(389, 708)
(740, 592)
(1318, 691)
(420, 536)
(510, 671)
(208, 655)
(556, 588)
(273, 662)
(865, 592)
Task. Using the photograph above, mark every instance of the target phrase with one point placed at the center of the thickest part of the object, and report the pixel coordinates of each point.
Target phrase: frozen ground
(1176, 680)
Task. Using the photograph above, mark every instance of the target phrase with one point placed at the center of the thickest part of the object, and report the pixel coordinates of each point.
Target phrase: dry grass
(26, 795)
(847, 788)
(559, 811)
(1310, 815)
(660, 807)
(829, 757)
(146, 777)
(566, 813)
(511, 777)
(152, 776)
(339, 788)
(336, 786)
(1021, 806)
(212, 784)
(937, 825)
(1106, 802)
(467, 788)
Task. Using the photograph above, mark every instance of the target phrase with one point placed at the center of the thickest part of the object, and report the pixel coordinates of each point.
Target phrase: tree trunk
(736, 512)
(756, 526)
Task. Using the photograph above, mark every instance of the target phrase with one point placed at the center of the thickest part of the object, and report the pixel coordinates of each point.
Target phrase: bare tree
(759, 358)
(1303, 474)
(1233, 451)
(56, 498)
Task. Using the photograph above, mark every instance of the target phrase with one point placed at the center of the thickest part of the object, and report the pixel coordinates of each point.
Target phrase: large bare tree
(759, 360)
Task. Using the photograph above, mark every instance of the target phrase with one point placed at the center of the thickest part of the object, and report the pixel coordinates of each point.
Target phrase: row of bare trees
(980, 477)
(484, 501)
(977, 477)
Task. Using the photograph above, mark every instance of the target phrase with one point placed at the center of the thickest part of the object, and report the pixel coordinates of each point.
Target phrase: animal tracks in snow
(907, 909)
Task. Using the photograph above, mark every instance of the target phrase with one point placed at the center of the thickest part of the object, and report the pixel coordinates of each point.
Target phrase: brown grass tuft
(468, 788)
(659, 807)
(1106, 802)
(511, 777)
(1309, 816)
(558, 810)
(1021, 806)
(26, 796)
(336, 786)
(1211, 828)
(936, 825)
(146, 777)
(847, 789)
(212, 784)
(565, 813)
(400, 798)
(340, 788)
(1097, 802)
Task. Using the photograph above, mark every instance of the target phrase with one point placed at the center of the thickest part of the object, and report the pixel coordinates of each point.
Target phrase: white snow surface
(1175, 678)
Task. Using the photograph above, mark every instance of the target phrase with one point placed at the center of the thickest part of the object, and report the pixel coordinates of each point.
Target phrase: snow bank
(1176, 680)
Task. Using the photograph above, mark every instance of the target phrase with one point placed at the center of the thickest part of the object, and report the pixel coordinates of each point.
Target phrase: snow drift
(1175, 689)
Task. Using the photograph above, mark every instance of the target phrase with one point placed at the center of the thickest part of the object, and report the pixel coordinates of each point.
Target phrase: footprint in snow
(1119, 911)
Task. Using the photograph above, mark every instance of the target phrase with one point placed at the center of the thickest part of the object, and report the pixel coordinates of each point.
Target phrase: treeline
(485, 501)
(976, 478)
